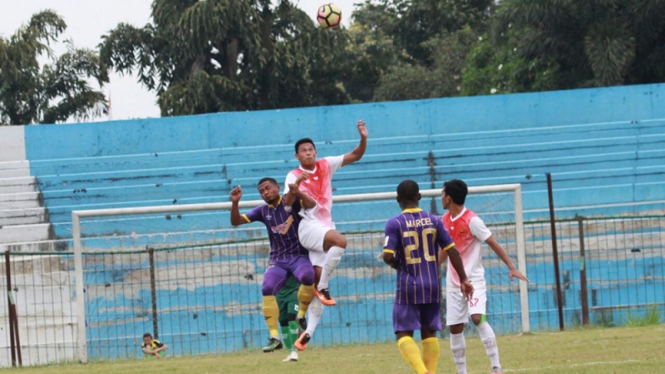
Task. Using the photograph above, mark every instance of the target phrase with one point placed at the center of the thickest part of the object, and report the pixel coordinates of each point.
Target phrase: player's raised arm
(236, 218)
(290, 198)
(359, 151)
(305, 200)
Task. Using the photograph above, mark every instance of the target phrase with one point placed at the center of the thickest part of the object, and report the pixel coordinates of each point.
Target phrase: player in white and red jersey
(317, 230)
(469, 232)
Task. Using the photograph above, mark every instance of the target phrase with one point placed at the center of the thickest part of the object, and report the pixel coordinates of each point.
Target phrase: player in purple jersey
(415, 240)
(287, 256)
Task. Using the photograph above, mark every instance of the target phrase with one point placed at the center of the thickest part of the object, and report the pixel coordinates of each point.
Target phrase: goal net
(185, 275)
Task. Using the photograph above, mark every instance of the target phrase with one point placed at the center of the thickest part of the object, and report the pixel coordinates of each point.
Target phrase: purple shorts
(278, 273)
(412, 317)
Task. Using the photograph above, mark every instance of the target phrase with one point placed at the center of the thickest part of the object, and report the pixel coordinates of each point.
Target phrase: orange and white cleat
(324, 296)
(302, 341)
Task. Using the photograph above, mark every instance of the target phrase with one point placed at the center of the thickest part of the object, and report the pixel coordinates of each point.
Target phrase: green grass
(630, 350)
(651, 317)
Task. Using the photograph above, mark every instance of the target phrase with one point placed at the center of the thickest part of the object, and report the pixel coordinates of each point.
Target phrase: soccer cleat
(302, 324)
(293, 356)
(273, 344)
(302, 341)
(324, 296)
(496, 370)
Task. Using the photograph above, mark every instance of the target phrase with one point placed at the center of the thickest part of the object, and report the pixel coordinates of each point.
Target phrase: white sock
(489, 341)
(333, 257)
(314, 313)
(458, 348)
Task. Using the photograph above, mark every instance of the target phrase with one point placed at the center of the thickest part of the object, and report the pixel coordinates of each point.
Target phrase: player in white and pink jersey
(317, 230)
(469, 232)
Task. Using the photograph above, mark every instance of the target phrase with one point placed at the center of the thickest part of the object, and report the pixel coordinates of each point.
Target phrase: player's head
(408, 194)
(454, 192)
(269, 190)
(147, 338)
(306, 153)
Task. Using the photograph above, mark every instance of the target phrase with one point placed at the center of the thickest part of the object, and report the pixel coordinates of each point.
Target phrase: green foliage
(651, 316)
(412, 49)
(592, 43)
(443, 78)
(499, 69)
(30, 93)
(225, 55)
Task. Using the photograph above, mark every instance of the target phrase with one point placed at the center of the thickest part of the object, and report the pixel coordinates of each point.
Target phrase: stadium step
(25, 233)
(14, 169)
(20, 200)
(18, 184)
(22, 216)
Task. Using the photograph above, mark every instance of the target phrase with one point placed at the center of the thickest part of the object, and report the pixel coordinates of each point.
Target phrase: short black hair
(457, 190)
(408, 190)
(268, 179)
(304, 141)
(147, 335)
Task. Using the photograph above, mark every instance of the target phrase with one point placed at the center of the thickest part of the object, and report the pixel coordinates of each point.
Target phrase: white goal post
(81, 345)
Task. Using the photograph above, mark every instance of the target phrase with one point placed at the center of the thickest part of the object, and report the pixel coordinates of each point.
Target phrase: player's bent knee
(307, 278)
(477, 319)
(457, 329)
(334, 239)
(268, 290)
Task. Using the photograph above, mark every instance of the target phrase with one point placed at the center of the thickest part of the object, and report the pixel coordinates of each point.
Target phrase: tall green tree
(591, 42)
(225, 55)
(55, 92)
(411, 49)
(442, 78)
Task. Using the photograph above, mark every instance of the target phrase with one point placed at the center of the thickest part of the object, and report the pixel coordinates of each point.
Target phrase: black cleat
(273, 344)
(302, 324)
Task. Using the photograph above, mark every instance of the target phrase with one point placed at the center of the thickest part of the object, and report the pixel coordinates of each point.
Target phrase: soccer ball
(329, 15)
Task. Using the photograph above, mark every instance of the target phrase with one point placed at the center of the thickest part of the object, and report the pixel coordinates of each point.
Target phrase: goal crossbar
(78, 248)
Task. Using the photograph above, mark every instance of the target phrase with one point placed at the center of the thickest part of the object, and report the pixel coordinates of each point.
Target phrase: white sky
(88, 20)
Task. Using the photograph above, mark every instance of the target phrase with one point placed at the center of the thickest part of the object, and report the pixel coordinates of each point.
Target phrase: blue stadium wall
(604, 147)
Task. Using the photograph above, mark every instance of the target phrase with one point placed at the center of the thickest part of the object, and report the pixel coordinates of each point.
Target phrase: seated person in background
(152, 347)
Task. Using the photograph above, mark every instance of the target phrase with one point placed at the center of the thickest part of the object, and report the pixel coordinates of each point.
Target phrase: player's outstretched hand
(236, 194)
(362, 129)
(295, 187)
(467, 289)
(515, 273)
(301, 178)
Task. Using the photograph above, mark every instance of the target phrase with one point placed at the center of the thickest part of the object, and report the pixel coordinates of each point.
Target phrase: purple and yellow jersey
(414, 237)
(282, 225)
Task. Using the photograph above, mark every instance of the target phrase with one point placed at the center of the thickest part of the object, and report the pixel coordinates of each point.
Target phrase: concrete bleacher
(592, 164)
(22, 216)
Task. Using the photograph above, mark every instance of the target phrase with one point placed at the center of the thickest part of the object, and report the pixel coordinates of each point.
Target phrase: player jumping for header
(287, 256)
(317, 230)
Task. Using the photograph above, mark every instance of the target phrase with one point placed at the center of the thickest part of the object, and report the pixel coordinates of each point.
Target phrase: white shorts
(311, 234)
(459, 309)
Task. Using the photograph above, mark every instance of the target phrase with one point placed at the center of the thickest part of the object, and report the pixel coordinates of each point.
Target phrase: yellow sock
(411, 353)
(271, 314)
(431, 353)
(305, 295)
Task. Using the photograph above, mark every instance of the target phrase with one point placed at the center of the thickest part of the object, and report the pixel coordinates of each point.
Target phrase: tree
(499, 69)
(592, 42)
(224, 55)
(412, 49)
(443, 78)
(52, 93)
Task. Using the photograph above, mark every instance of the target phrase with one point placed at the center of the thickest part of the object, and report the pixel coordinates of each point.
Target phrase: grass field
(630, 350)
